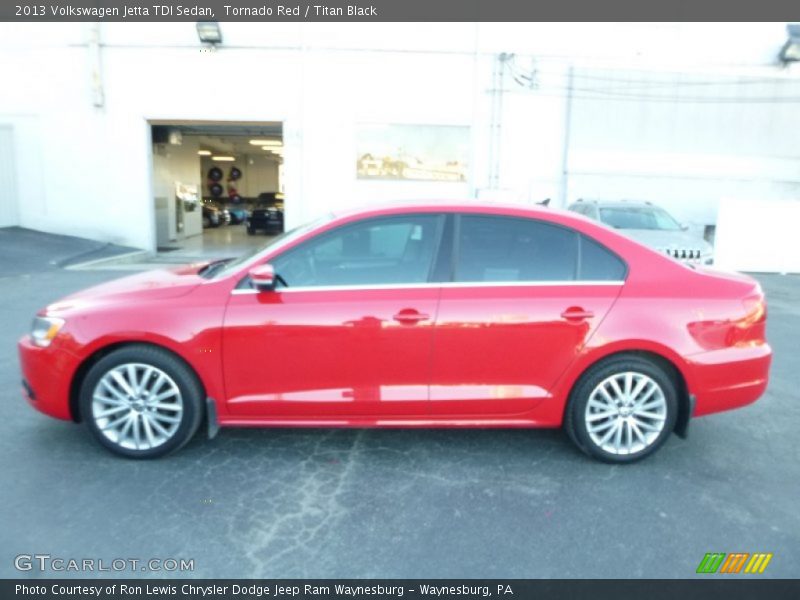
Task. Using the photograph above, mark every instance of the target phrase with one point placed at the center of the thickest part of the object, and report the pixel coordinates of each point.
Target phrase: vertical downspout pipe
(566, 144)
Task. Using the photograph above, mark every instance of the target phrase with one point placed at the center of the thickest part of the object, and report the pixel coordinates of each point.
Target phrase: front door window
(383, 251)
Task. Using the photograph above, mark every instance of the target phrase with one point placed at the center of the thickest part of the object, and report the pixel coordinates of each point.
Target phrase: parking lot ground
(25, 251)
(402, 503)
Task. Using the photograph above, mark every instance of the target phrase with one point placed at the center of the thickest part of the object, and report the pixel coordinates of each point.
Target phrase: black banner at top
(399, 10)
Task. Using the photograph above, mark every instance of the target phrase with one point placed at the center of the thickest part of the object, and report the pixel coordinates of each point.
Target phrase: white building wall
(8, 176)
(685, 141)
(87, 170)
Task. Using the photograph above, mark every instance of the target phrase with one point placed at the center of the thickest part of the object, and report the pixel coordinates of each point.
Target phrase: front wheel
(141, 402)
(622, 410)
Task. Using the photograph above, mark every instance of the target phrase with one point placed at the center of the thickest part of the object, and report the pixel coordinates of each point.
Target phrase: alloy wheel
(626, 413)
(137, 406)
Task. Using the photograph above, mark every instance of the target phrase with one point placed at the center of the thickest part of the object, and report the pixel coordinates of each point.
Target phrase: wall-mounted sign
(418, 152)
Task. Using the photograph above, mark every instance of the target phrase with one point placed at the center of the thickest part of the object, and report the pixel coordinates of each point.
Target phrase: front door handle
(409, 316)
(576, 313)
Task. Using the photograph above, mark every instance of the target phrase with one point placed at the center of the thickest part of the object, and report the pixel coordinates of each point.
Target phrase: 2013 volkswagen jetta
(425, 315)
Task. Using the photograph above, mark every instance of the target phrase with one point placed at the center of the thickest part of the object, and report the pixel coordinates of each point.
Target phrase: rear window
(598, 263)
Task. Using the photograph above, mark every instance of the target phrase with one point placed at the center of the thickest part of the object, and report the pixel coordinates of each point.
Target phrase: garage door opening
(217, 188)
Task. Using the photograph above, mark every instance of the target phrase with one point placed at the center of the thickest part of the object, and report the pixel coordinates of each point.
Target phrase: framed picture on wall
(412, 152)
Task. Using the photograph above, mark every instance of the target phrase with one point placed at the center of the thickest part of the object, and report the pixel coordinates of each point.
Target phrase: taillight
(746, 328)
(752, 328)
(756, 307)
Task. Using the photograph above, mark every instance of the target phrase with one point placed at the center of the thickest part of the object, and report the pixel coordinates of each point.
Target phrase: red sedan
(427, 315)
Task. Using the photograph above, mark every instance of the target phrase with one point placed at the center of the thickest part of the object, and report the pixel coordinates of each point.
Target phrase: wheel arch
(671, 363)
(98, 354)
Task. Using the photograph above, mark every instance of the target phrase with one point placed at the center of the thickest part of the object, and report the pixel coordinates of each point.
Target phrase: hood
(660, 239)
(151, 285)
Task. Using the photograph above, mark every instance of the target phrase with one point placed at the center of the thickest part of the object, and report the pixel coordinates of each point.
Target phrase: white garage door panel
(758, 235)
(8, 184)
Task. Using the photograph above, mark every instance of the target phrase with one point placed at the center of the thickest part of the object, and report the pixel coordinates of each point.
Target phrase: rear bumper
(46, 375)
(729, 378)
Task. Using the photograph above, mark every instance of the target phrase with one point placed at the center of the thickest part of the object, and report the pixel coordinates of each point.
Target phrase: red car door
(526, 296)
(350, 332)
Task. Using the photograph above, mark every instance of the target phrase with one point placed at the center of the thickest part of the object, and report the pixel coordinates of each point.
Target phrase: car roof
(596, 230)
(402, 206)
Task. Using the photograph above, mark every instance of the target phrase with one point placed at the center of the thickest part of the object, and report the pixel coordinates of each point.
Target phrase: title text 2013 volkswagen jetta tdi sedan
(429, 315)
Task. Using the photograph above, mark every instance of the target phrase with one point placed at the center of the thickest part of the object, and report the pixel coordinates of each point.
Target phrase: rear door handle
(576, 313)
(410, 315)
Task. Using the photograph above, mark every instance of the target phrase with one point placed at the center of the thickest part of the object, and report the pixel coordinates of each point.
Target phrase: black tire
(575, 421)
(191, 395)
(215, 174)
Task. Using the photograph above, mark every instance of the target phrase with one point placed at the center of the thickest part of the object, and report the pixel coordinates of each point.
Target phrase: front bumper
(729, 378)
(47, 374)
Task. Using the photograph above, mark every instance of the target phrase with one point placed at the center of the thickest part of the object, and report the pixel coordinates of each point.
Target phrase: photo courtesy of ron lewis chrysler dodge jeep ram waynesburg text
(414, 315)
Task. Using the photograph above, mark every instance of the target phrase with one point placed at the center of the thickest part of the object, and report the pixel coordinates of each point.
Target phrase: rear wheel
(622, 410)
(141, 402)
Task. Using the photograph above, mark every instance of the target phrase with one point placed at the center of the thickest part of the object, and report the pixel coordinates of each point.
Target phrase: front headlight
(44, 329)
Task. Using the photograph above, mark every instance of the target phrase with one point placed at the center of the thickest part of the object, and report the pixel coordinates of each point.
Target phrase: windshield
(229, 266)
(638, 217)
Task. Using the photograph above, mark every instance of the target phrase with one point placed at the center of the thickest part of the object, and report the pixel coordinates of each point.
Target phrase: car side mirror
(263, 277)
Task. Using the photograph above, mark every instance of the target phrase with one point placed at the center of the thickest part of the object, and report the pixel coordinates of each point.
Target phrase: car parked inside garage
(239, 214)
(215, 214)
(414, 315)
(211, 216)
(267, 214)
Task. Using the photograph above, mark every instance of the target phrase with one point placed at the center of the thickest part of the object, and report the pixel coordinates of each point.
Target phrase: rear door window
(510, 249)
